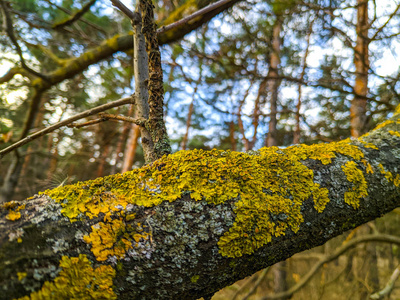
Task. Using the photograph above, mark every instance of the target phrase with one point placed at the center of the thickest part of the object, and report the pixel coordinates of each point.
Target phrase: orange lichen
(78, 280)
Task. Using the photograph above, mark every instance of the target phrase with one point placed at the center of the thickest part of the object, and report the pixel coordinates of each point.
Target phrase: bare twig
(90, 112)
(389, 286)
(338, 252)
(135, 17)
(10, 32)
(198, 13)
(88, 123)
(258, 282)
(137, 121)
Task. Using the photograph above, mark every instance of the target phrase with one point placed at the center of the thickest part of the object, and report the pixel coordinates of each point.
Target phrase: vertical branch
(141, 79)
(156, 90)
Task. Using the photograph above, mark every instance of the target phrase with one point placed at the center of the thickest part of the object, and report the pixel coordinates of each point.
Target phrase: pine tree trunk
(274, 82)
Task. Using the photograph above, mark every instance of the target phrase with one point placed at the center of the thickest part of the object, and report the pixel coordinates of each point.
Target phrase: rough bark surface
(155, 84)
(194, 221)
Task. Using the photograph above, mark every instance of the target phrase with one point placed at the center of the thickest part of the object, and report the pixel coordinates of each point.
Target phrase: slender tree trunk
(368, 271)
(103, 159)
(122, 140)
(130, 149)
(11, 178)
(274, 82)
(358, 117)
(188, 123)
(297, 131)
(232, 138)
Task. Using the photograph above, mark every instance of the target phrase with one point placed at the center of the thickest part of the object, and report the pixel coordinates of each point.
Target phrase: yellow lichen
(367, 145)
(321, 198)
(114, 238)
(195, 278)
(368, 166)
(359, 188)
(395, 133)
(78, 280)
(21, 275)
(270, 189)
(14, 209)
(13, 216)
(389, 176)
(383, 124)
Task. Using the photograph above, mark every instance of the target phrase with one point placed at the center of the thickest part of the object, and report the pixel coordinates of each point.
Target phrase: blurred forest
(246, 75)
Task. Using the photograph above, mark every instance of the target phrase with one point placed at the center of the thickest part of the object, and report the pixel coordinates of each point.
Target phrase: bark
(195, 221)
(274, 83)
(141, 71)
(156, 122)
(358, 109)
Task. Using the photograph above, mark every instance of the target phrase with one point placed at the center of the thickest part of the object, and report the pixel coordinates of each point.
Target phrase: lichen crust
(77, 280)
(268, 188)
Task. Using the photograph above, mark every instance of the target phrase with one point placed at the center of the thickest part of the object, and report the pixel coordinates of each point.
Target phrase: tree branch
(195, 221)
(128, 100)
(10, 32)
(74, 17)
(389, 286)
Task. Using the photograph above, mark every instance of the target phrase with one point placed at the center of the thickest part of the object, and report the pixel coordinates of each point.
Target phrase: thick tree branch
(195, 221)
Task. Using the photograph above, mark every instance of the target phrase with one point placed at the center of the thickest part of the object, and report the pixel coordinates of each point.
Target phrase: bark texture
(194, 221)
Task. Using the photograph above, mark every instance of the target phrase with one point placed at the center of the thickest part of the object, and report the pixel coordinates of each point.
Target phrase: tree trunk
(195, 221)
(358, 110)
(274, 82)
(130, 149)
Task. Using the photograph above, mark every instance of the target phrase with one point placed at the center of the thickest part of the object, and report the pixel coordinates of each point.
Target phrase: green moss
(359, 188)
(270, 189)
(78, 280)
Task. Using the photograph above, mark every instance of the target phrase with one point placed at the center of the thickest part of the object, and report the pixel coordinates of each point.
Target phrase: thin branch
(137, 121)
(10, 32)
(68, 12)
(135, 17)
(389, 286)
(76, 16)
(258, 282)
(338, 252)
(88, 123)
(90, 112)
(198, 13)
(385, 24)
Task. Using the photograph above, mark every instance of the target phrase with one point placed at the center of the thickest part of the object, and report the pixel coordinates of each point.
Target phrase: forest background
(261, 73)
